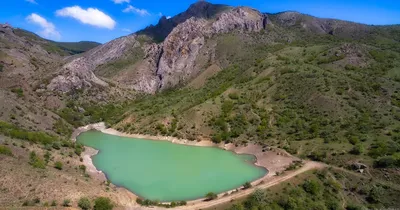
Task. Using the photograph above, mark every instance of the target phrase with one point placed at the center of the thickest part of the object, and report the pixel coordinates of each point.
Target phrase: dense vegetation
(327, 189)
(31, 136)
(323, 97)
(330, 98)
(61, 48)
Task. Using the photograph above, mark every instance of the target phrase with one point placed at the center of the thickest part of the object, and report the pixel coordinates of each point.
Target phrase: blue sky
(104, 20)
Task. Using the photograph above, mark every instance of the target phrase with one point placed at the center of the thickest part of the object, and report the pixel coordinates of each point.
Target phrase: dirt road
(310, 165)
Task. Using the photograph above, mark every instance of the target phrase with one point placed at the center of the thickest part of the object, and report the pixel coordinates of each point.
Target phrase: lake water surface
(161, 170)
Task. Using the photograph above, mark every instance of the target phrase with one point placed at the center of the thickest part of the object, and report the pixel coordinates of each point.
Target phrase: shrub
(317, 155)
(182, 203)
(18, 91)
(53, 203)
(36, 200)
(35, 161)
(358, 149)
(233, 96)
(18, 133)
(82, 168)
(312, 187)
(374, 194)
(66, 202)
(388, 161)
(56, 145)
(84, 203)
(102, 203)
(247, 185)
(58, 165)
(5, 150)
(211, 196)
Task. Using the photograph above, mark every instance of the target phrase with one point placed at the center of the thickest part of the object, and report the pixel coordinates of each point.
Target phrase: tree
(358, 149)
(102, 203)
(247, 185)
(58, 165)
(66, 202)
(84, 203)
(211, 196)
(374, 194)
(312, 187)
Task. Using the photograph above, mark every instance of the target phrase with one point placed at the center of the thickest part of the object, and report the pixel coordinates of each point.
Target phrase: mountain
(62, 48)
(77, 47)
(142, 63)
(322, 89)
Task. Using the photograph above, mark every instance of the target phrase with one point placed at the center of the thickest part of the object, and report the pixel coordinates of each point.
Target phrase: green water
(161, 170)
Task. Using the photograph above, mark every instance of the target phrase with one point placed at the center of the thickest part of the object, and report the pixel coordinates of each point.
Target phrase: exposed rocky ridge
(175, 60)
(200, 9)
(319, 25)
(182, 46)
(164, 65)
(79, 72)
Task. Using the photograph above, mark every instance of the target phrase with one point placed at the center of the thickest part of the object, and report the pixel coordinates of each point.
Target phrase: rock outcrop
(78, 73)
(170, 58)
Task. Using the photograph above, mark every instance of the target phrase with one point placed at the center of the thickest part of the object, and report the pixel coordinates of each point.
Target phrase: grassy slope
(326, 189)
(321, 97)
(61, 48)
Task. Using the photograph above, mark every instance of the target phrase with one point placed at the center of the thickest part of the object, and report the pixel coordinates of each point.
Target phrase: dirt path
(268, 183)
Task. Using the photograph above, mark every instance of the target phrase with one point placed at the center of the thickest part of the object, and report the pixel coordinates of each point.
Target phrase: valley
(316, 100)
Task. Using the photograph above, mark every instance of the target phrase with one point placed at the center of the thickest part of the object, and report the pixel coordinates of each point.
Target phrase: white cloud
(168, 17)
(141, 12)
(120, 1)
(90, 16)
(126, 30)
(48, 29)
(32, 1)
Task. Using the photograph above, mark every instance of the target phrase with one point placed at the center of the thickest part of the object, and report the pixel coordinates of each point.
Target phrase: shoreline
(273, 160)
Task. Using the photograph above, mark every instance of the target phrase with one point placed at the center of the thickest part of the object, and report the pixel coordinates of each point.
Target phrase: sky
(104, 20)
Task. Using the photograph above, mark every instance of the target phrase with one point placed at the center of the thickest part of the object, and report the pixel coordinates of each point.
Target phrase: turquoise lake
(161, 170)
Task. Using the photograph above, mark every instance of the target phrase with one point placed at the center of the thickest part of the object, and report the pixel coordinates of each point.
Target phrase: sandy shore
(273, 159)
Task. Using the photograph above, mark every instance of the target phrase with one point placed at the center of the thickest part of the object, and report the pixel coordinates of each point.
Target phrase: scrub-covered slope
(322, 89)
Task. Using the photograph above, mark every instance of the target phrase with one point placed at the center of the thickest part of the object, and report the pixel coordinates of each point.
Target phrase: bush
(5, 150)
(247, 185)
(358, 149)
(56, 145)
(18, 91)
(66, 202)
(102, 203)
(312, 187)
(388, 161)
(35, 161)
(53, 203)
(84, 203)
(19, 133)
(211, 196)
(58, 165)
(374, 194)
(82, 168)
(317, 155)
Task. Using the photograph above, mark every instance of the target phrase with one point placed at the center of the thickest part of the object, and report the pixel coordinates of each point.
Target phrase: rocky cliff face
(175, 60)
(181, 48)
(167, 64)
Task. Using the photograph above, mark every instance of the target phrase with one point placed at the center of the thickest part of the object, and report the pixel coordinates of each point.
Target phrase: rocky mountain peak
(200, 9)
(203, 9)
